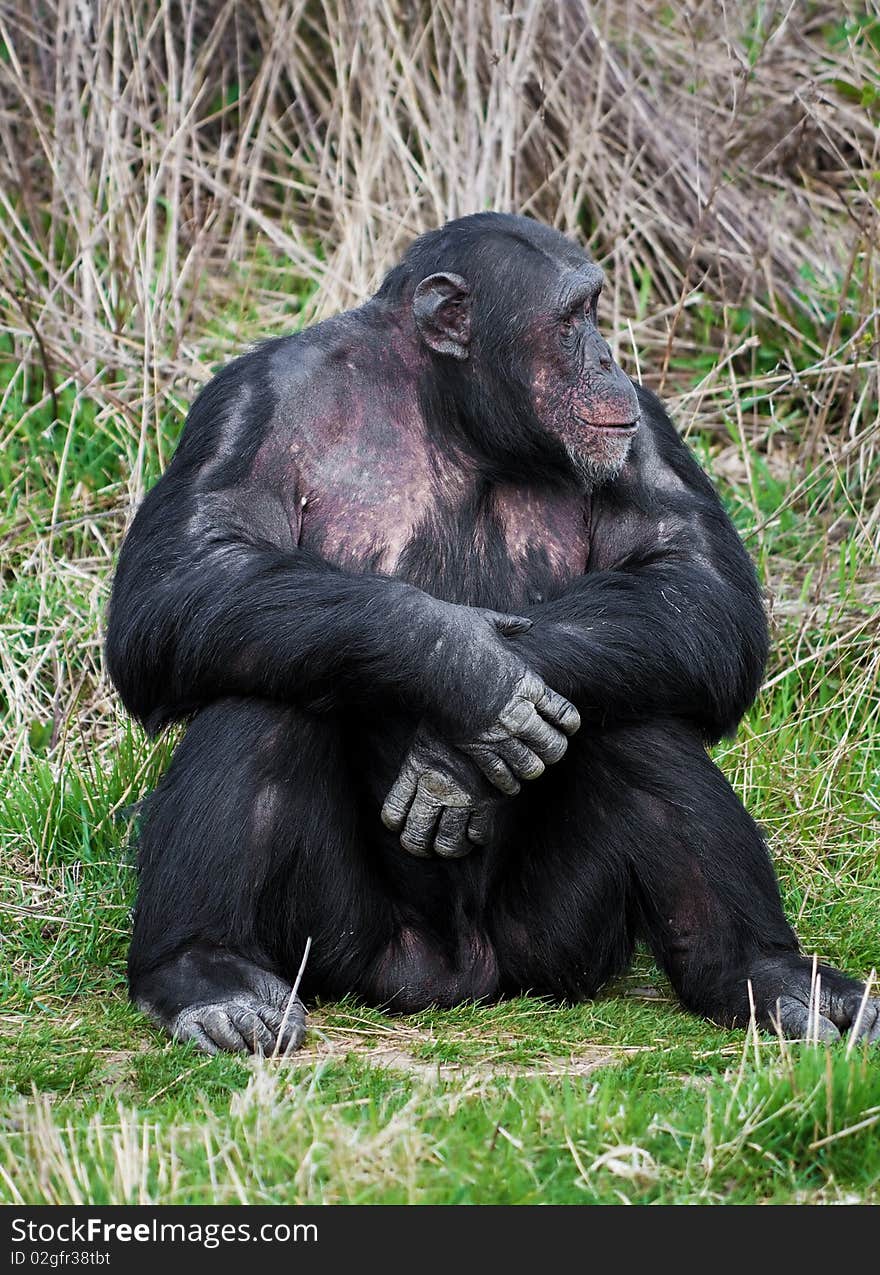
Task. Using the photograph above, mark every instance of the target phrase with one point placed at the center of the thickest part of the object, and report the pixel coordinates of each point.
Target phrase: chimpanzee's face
(528, 318)
(579, 393)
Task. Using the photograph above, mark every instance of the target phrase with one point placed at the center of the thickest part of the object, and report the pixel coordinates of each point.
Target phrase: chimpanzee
(451, 613)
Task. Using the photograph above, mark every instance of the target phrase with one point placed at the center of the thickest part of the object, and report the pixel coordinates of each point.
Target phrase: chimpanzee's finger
(496, 770)
(450, 839)
(524, 763)
(417, 836)
(480, 826)
(399, 799)
(549, 743)
(558, 711)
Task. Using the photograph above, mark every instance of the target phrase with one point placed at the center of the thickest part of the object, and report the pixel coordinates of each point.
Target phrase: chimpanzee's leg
(707, 892)
(247, 848)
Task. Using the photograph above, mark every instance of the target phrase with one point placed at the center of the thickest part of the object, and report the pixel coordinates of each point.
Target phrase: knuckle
(413, 848)
(423, 809)
(448, 848)
(391, 818)
(516, 713)
(433, 784)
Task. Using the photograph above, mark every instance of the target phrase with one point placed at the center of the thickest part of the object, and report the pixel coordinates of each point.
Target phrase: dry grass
(173, 178)
(286, 1138)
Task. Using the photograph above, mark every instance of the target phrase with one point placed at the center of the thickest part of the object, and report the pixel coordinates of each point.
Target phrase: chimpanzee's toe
(860, 1016)
(798, 1021)
(220, 1000)
(815, 1004)
(244, 1024)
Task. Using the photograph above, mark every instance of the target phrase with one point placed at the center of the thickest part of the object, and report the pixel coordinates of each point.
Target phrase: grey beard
(594, 470)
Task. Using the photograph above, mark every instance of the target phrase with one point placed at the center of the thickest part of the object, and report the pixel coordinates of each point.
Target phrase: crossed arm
(210, 600)
(667, 621)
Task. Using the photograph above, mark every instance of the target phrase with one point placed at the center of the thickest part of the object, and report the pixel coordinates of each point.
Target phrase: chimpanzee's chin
(603, 460)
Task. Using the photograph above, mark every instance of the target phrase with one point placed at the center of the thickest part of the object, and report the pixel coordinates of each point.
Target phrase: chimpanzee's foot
(246, 1022)
(221, 1001)
(790, 999)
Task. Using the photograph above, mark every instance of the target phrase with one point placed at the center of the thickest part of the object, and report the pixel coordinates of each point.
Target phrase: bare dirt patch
(399, 1049)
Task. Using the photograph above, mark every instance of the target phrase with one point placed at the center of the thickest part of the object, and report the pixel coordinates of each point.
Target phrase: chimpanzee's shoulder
(299, 361)
(657, 430)
(660, 457)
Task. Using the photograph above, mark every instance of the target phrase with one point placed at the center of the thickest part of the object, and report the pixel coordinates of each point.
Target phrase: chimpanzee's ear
(442, 311)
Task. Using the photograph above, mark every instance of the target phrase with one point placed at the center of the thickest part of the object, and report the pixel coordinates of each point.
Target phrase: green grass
(786, 1129)
(628, 1098)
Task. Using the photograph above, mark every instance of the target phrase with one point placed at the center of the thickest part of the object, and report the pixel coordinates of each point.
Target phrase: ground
(628, 1098)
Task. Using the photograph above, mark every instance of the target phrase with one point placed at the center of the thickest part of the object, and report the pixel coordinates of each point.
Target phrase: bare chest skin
(396, 506)
(362, 500)
(364, 486)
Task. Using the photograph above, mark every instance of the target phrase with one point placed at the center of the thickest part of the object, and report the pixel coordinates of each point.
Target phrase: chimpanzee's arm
(668, 618)
(207, 602)
(205, 605)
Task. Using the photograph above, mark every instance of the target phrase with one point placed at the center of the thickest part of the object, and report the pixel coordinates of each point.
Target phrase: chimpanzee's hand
(528, 734)
(495, 708)
(439, 803)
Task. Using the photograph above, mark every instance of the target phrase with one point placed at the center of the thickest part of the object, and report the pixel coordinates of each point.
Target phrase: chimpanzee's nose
(601, 351)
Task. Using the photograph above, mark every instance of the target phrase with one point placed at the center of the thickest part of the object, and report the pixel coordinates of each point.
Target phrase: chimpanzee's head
(507, 309)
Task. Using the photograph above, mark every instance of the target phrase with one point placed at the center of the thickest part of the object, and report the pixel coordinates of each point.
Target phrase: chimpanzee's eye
(566, 325)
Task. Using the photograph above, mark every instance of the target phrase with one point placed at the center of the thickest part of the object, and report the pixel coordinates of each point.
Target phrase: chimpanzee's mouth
(612, 427)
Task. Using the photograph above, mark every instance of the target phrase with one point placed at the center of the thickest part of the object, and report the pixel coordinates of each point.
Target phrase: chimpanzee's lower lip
(612, 427)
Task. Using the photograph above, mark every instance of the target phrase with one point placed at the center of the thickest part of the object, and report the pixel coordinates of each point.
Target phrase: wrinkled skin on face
(539, 335)
(579, 393)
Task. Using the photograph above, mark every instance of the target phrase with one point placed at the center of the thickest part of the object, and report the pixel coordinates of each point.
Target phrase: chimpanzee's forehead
(562, 266)
(545, 271)
(536, 240)
(547, 239)
(562, 273)
(576, 282)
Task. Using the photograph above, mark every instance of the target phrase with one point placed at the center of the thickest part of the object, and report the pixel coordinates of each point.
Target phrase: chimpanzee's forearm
(241, 619)
(667, 638)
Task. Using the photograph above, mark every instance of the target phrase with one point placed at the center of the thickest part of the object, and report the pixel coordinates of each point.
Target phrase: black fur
(303, 671)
